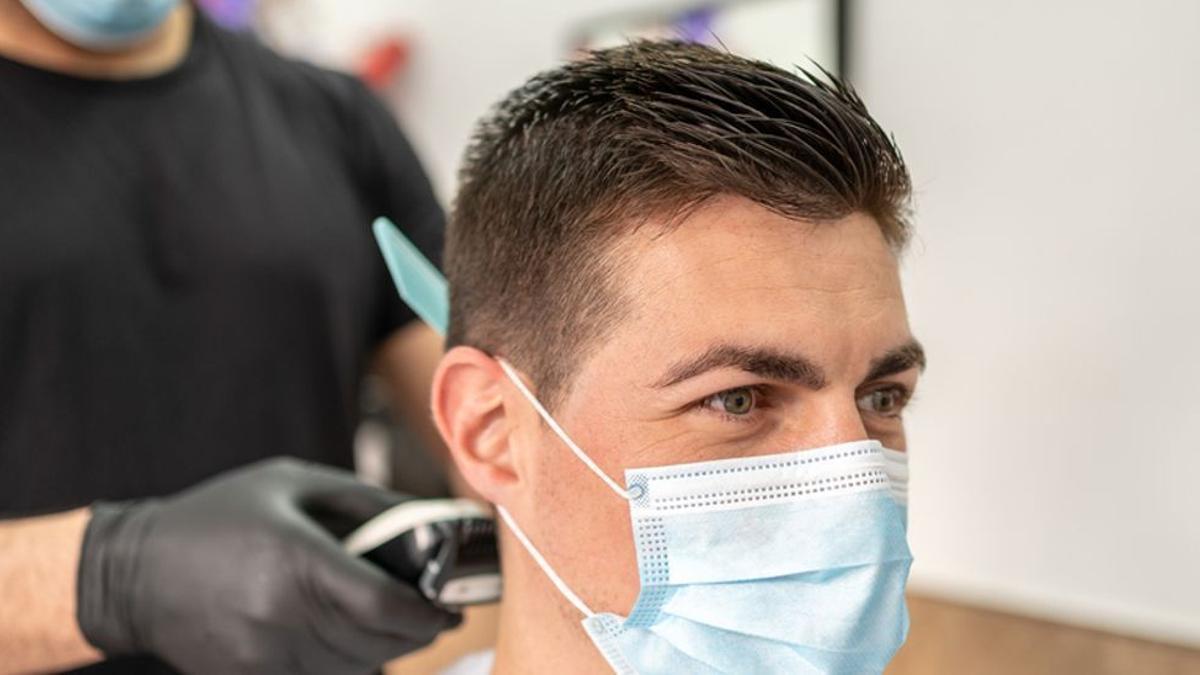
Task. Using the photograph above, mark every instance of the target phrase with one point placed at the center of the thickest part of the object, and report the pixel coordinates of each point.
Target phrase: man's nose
(826, 419)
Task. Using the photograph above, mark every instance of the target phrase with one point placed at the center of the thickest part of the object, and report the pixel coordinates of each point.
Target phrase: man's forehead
(734, 251)
(736, 275)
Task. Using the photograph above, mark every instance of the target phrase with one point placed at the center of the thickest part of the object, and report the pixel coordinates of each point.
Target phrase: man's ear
(468, 408)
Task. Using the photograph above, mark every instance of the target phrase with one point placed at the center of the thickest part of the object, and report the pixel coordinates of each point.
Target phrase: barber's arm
(242, 574)
(406, 363)
(38, 561)
(411, 350)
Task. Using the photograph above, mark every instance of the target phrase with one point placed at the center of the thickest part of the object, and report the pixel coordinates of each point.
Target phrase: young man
(690, 260)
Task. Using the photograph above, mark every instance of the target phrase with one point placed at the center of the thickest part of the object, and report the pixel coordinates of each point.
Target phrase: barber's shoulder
(318, 108)
(304, 87)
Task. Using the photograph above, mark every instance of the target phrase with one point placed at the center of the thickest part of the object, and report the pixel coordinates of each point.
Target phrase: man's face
(750, 334)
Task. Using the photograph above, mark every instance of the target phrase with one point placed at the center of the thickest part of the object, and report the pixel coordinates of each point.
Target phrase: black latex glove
(246, 574)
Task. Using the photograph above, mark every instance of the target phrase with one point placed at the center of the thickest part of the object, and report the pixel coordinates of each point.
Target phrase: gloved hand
(246, 574)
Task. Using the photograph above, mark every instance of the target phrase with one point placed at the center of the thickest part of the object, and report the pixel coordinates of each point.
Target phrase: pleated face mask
(787, 563)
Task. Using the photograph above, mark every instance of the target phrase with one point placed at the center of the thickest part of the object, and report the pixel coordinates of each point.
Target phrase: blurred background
(1055, 148)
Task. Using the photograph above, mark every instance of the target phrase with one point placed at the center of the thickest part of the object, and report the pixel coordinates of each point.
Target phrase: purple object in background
(695, 25)
(231, 14)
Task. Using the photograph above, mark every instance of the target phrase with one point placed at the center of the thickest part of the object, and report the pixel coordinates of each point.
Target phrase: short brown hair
(581, 154)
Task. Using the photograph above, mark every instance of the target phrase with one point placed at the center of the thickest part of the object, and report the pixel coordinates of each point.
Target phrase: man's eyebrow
(898, 360)
(768, 363)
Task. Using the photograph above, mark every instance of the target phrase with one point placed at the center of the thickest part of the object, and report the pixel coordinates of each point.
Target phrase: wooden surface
(944, 638)
(950, 638)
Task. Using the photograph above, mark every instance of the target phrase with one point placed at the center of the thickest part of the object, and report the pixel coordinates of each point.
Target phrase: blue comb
(420, 284)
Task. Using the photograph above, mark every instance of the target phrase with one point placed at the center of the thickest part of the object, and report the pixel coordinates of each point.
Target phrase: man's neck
(23, 38)
(540, 633)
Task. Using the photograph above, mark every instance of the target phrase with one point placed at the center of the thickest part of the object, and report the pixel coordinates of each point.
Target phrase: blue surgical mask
(101, 25)
(787, 563)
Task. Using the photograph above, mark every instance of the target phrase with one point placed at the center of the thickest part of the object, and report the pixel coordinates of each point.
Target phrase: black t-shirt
(188, 280)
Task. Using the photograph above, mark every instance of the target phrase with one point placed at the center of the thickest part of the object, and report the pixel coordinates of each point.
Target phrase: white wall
(1055, 148)
(1056, 152)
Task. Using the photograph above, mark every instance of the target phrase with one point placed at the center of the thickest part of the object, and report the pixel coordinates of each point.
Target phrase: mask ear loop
(562, 435)
(582, 456)
(541, 562)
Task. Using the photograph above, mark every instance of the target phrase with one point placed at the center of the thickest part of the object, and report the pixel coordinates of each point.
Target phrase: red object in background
(383, 61)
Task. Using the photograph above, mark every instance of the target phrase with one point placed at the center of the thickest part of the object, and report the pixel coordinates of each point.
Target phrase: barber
(188, 286)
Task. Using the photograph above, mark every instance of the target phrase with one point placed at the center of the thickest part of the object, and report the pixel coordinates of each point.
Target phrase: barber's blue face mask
(101, 24)
(790, 563)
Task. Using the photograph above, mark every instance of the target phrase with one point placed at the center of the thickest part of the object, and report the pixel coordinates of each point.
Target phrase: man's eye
(887, 402)
(738, 402)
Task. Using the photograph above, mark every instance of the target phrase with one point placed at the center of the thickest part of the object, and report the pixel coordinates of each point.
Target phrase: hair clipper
(444, 547)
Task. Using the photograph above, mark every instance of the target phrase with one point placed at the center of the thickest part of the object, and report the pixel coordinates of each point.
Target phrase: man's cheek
(586, 531)
(890, 435)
